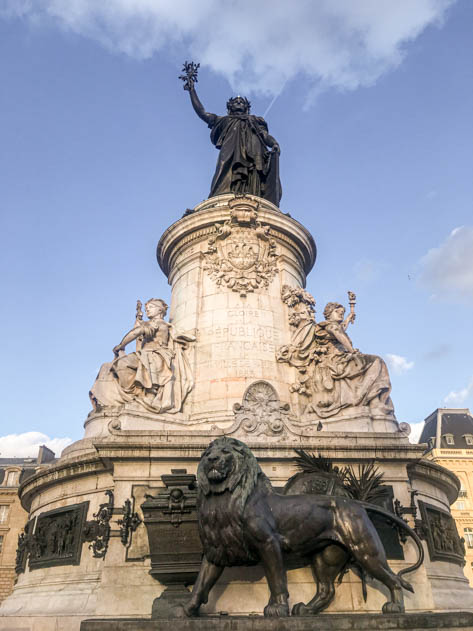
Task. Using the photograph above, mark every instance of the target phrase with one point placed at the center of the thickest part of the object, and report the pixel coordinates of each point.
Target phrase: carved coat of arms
(241, 255)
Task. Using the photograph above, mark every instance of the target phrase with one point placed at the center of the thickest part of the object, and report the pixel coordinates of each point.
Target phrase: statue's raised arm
(245, 164)
(189, 76)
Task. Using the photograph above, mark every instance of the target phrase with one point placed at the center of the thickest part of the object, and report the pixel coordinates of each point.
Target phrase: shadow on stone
(173, 596)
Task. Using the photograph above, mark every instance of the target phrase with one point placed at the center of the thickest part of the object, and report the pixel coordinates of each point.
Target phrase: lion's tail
(402, 524)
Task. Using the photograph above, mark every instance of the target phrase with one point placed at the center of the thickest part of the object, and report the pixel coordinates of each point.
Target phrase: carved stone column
(227, 262)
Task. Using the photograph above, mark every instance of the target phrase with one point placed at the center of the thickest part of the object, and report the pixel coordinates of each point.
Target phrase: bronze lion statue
(243, 521)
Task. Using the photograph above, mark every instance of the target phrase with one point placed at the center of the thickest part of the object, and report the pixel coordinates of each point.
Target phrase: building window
(12, 478)
(468, 537)
(469, 439)
(1, 543)
(460, 505)
(449, 439)
(3, 513)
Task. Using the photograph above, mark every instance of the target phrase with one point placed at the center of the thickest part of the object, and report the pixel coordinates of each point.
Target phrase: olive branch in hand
(190, 70)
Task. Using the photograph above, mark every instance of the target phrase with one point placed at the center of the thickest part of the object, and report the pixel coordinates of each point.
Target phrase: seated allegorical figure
(336, 377)
(157, 375)
(343, 377)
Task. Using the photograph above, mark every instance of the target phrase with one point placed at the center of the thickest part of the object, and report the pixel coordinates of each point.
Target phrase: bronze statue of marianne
(248, 161)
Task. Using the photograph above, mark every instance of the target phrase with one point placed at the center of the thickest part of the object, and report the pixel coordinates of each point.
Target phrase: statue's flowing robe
(244, 165)
(337, 380)
(163, 375)
(343, 380)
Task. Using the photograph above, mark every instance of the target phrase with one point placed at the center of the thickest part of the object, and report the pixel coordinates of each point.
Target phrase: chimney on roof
(45, 455)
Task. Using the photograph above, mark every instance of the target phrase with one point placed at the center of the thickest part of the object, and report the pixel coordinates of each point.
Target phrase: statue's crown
(234, 98)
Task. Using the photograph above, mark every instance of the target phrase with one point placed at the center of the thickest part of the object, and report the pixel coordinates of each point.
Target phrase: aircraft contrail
(274, 100)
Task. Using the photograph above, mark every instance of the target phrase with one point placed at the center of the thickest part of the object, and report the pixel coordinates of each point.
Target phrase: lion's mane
(221, 514)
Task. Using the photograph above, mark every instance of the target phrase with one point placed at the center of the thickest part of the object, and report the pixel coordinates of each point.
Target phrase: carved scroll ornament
(261, 411)
(97, 530)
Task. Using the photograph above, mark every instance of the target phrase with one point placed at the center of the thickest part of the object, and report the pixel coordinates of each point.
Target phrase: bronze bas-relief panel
(57, 539)
(440, 531)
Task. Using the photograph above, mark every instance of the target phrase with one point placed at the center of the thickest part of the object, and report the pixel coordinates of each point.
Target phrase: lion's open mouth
(214, 475)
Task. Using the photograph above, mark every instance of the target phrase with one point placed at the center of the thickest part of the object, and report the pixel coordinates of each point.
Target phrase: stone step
(324, 622)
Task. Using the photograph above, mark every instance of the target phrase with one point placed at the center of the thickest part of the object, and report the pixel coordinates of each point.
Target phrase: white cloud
(26, 445)
(448, 269)
(398, 364)
(257, 46)
(456, 399)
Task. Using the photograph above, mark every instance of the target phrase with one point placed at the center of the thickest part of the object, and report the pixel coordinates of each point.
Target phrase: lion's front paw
(276, 611)
(391, 607)
(302, 610)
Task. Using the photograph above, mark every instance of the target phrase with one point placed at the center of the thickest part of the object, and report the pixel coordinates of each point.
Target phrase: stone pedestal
(227, 263)
(133, 463)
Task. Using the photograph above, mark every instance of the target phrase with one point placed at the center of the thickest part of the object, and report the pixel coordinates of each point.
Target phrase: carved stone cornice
(88, 465)
(436, 475)
(200, 224)
(152, 445)
(10, 490)
(189, 448)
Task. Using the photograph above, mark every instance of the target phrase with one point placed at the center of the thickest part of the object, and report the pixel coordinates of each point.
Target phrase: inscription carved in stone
(439, 529)
(242, 255)
(260, 411)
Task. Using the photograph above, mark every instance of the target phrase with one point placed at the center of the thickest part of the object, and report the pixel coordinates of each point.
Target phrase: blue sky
(101, 151)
